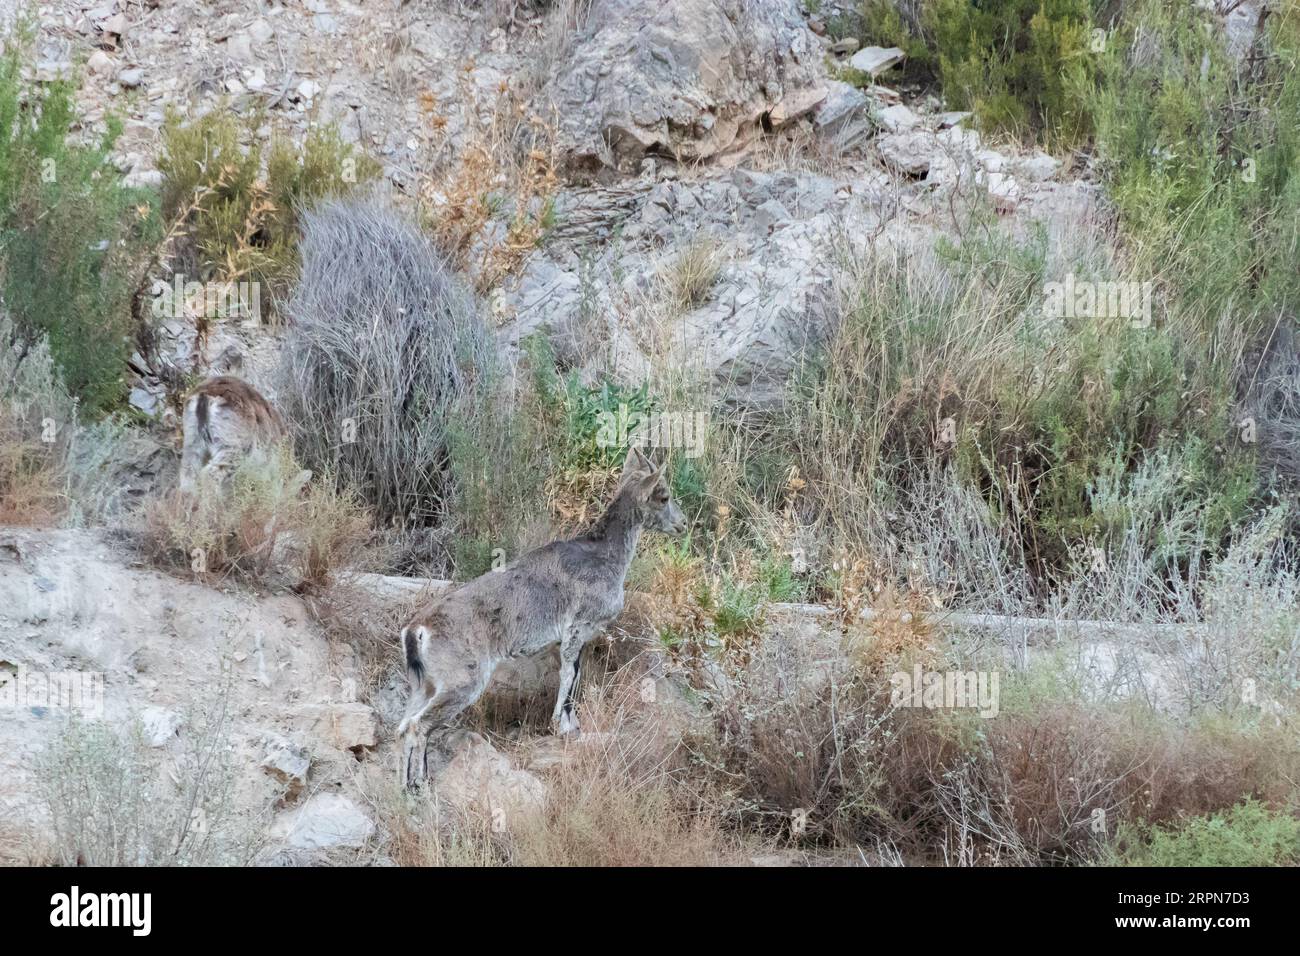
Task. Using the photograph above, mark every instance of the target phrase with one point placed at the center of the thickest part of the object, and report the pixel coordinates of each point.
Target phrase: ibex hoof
(567, 726)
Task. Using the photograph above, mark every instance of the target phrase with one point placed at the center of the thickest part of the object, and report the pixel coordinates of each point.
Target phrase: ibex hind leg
(430, 718)
(413, 740)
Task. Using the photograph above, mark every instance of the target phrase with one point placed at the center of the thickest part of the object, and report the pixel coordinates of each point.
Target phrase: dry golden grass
(622, 795)
(355, 616)
(898, 630)
(31, 476)
(266, 525)
(508, 162)
(626, 799)
(688, 278)
(576, 498)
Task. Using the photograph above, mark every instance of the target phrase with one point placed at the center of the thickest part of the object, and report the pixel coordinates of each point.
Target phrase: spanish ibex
(226, 419)
(562, 593)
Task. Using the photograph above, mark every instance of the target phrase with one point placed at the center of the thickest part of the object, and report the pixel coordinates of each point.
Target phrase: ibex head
(649, 483)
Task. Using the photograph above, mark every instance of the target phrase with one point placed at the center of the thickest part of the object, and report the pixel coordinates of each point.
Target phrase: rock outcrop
(171, 666)
(689, 79)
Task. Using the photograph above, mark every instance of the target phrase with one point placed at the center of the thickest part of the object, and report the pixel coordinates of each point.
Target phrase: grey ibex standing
(562, 593)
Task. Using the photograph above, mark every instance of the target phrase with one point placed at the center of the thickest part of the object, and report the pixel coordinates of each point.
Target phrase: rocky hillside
(833, 248)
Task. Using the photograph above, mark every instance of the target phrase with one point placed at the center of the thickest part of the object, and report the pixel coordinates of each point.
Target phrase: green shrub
(72, 236)
(890, 23)
(777, 575)
(1202, 158)
(597, 422)
(1061, 426)
(1022, 66)
(1248, 834)
(738, 610)
(240, 201)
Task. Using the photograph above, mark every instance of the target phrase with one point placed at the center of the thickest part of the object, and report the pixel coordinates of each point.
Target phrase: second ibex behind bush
(225, 421)
(562, 593)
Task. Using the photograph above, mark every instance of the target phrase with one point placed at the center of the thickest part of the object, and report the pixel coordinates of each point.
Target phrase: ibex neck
(619, 529)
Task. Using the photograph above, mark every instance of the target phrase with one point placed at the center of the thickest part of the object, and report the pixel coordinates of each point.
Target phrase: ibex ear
(637, 463)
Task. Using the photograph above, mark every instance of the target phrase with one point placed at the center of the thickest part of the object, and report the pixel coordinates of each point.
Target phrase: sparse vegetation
(1101, 512)
(505, 176)
(37, 417)
(274, 523)
(110, 803)
(689, 278)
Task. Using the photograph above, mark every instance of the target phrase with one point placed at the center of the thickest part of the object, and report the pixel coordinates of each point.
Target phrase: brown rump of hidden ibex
(562, 593)
(225, 420)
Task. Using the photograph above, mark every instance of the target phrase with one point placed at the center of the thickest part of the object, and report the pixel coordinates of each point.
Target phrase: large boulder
(684, 78)
(326, 821)
(478, 779)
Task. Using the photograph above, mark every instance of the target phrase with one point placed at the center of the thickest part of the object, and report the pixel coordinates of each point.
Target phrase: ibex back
(562, 593)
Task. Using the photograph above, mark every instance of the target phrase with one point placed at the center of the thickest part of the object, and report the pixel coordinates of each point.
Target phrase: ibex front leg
(565, 718)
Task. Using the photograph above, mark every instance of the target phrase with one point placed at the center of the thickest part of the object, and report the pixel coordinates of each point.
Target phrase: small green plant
(777, 576)
(1203, 164)
(738, 610)
(1249, 834)
(593, 425)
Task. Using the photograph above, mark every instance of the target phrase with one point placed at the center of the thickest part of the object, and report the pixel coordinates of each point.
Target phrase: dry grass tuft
(31, 475)
(689, 277)
(269, 525)
(622, 795)
(577, 497)
(354, 615)
(37, 421)
(495, 204)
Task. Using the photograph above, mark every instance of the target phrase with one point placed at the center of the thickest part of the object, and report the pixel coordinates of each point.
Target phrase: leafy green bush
(243, 223)
(1202, 158)
(1022, 66)
(593, 423)
(1248, 834)
(1059, 425)
(72, 236)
